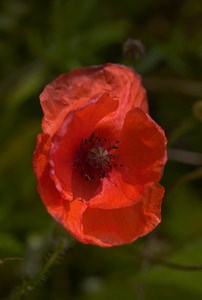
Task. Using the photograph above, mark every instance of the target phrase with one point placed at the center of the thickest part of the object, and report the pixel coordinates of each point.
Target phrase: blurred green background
(39, 40)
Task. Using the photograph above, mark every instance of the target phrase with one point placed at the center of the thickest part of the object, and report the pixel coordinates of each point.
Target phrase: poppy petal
(142, 148)
(72, 219)
(121, 226)
(128, 89)
(72, 90)
(78, 125)
(50, 196)
(46, 187)
(40, 158)
(115, 193)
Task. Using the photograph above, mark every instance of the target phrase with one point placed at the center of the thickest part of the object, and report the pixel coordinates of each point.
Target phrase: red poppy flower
(100, 156)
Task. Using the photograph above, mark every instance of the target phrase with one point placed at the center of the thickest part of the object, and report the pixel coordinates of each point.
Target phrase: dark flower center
(96, 157)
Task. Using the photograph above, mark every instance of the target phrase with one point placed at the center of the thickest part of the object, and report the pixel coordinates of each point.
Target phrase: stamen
(96, 157)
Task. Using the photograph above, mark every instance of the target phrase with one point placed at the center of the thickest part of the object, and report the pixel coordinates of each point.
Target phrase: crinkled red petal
(46, 187)
(72, 90)
(142, 148)
(115, 193)
(114, 227)
(40, 157)
(50, 196)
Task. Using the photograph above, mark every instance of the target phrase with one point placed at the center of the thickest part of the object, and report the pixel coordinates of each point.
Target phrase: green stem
(195, 174)
(31, 283)
(183, 128)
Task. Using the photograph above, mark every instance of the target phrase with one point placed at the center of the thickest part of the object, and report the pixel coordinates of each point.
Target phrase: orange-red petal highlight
(142, 148)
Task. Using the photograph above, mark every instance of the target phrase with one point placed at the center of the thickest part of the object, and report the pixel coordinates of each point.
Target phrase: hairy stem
(28, 285)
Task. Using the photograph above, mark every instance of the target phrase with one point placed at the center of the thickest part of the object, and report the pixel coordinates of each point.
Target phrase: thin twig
(7, 259)
(195, 174)
(177, 266)
(184, 156)
(184, 127)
